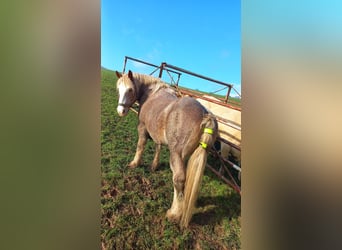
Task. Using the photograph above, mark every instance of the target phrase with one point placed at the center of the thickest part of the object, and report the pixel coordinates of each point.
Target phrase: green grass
(134, 201)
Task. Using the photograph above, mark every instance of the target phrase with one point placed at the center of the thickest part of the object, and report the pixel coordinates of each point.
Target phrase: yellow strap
(203, 144)
(208, 131)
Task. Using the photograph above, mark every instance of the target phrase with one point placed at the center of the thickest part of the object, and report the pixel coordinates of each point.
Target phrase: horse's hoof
(172, 217)
(132, 164)
(154, 167)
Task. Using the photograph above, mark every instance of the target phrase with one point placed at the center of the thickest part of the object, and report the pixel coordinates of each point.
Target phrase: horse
(182, 123)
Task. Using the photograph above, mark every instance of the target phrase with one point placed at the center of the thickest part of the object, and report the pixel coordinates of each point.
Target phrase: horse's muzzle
(122, 110)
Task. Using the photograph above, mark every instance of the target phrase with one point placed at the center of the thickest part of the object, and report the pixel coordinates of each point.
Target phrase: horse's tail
(196, 166)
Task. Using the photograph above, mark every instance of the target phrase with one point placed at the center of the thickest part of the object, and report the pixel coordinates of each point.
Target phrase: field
(134, 201)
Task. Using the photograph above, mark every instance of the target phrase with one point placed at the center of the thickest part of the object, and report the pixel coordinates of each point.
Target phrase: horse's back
(189, 109)
(173, 121)
(156, 105)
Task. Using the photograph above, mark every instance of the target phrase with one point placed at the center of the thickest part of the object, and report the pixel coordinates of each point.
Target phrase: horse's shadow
(212, 210)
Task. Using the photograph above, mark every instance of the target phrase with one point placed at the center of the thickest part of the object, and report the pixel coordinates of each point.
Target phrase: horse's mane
(153, 82)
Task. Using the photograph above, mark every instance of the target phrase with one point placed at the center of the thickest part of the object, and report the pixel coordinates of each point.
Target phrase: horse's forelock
(126, 81)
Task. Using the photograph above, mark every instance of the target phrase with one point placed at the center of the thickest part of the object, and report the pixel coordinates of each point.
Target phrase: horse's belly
(157, 134)
(159, 139)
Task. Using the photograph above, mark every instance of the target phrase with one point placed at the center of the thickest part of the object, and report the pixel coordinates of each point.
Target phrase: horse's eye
(130, 90)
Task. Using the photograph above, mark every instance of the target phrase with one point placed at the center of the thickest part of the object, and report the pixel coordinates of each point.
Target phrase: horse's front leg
(142, 133)
(155, 162)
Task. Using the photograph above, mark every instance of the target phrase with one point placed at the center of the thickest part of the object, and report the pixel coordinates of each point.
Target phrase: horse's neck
(144, 90)
(144, 93)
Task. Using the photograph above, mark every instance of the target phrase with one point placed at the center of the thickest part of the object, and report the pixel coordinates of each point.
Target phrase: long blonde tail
(196, 166)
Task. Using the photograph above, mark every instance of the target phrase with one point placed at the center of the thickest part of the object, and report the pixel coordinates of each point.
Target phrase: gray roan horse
(182, 124)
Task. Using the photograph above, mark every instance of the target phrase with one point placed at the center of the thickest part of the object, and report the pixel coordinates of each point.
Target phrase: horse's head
(127, 92)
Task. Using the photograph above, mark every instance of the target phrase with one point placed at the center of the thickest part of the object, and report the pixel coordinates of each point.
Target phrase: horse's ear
(118, 74)
(130, 75)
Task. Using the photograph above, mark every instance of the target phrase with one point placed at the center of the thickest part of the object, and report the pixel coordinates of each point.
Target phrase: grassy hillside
(134, 201)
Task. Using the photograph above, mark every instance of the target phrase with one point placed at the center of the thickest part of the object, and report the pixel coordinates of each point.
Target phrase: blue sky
(201, 36)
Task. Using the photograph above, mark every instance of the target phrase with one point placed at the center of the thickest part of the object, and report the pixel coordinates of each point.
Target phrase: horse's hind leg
(155, 162)
(177, 167)
(140, 146)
